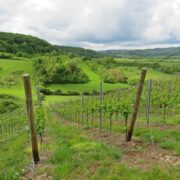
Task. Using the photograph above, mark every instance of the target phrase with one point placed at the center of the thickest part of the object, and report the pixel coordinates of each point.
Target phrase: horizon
(97, 25)
(106, 49)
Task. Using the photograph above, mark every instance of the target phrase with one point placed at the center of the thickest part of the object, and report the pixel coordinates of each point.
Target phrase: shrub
(59, 69)
(8, 103)
(114, 76)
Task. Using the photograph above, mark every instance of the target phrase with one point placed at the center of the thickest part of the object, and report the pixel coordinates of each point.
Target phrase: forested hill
(145, 53)
(77, 51)
(26, 45)
(23, 45)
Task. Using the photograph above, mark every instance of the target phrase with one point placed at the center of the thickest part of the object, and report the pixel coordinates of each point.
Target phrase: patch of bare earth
(138, 154)
(40, 170)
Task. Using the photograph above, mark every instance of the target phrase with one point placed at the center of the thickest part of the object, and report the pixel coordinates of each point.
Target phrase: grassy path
(75, 152)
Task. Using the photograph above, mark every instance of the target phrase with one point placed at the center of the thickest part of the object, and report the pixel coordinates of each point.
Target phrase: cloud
(95, 23)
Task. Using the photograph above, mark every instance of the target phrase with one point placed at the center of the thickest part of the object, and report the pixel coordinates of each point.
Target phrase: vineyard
(11, 124)
(105, 115)
(160, 102)
(73, 113)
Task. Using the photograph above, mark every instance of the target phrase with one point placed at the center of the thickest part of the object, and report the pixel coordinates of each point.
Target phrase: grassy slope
(59, 99)
(130, 72)
(90, 86)
(9, 66)
(74, 156)
(133, 71)
(14, 156)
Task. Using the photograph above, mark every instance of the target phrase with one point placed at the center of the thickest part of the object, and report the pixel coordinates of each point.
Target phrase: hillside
(145, 53)
(26, 46)
(78, 51)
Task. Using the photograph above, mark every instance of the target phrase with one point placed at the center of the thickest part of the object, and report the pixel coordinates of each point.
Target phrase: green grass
(74, 156)
(87, 87)
(9, 66)
(167, 139)
(134, 73)
(13, 157)
(59, 99)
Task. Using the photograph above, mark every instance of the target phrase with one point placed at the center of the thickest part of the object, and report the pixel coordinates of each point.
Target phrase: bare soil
(137, 153)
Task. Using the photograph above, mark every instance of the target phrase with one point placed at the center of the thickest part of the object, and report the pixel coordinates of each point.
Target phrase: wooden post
(101, 99)
(136, 105)
(29, 106)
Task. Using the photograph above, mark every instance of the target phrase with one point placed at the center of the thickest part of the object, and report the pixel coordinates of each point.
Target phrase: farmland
(83, 111)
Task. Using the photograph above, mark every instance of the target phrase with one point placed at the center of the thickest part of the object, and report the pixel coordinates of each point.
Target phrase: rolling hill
(145, 53)
(26, 46)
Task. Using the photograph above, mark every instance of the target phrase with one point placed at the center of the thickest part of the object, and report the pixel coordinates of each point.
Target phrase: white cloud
(95, 23)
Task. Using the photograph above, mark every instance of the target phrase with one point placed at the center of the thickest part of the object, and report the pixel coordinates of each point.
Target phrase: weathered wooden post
(29, 106)
(136, 104)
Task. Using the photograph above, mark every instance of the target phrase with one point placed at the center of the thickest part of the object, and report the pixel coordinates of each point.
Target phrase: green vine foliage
(164, 97)
(40, 120)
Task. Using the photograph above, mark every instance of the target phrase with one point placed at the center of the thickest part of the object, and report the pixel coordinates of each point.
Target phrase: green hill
(145, 53)
(78, 51)
(24, 45)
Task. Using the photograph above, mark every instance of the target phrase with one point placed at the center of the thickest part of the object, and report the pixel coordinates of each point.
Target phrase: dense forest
(24, 45)
(77, 51)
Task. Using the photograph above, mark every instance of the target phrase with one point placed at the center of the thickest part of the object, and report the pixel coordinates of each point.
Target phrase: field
(26, 66)
(90, 86)
(10, 66)
(68, 127)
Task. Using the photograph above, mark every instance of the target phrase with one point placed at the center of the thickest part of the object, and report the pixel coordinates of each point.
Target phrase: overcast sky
(96, 24)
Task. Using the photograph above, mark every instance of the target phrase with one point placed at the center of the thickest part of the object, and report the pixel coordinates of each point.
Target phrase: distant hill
(157, 52)
(78, 51)
(27, 45)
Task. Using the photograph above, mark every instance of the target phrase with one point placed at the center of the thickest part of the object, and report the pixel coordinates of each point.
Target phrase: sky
(95, 24)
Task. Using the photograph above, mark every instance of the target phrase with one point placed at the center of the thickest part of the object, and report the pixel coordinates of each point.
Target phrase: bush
(59, 69)
(133, 81)
(46, 91)
(57, 92)
(94, 92)
(8, 103)
(86, 93)
(73, 93)
(5, 56)
(114, 76)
